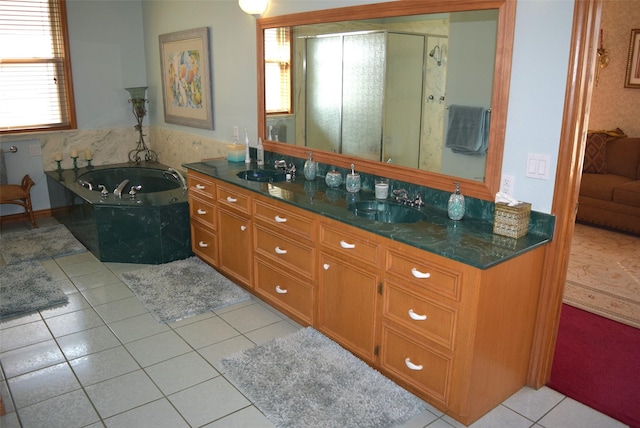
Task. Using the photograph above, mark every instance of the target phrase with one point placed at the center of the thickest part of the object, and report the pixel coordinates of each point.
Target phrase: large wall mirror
(412, 90)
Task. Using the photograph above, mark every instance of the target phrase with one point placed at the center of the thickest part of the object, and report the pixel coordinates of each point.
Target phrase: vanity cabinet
(285, 257)
(204, 240)
(348, 287)
(234, 233)
(457, 336)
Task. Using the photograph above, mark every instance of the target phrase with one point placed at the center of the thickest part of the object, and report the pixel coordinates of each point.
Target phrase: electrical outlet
(236, 135)
(506, 184)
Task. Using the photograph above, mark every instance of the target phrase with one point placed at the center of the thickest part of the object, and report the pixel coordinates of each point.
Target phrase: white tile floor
(103, 360)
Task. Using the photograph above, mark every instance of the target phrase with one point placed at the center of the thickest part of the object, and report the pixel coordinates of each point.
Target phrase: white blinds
(35, 74)
(277, 70)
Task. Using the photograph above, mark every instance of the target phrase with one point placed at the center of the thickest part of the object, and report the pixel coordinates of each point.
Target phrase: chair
(19, 195)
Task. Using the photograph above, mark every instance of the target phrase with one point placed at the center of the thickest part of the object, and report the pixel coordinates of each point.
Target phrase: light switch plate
(537, 166)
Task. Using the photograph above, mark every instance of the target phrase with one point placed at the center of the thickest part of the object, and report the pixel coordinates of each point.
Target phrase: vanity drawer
(233, 197)
(203, 211)
(285, 251)
(202, 185)
(285, 292)
(425, 274)
(284, 217)
(350, 243)
(416, 364)
(419, 314)
(204, 243)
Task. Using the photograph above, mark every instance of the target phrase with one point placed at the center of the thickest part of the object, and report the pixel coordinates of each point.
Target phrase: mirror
(405, 138)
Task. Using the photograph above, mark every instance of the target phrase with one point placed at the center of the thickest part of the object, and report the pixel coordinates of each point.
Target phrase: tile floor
(102, 360)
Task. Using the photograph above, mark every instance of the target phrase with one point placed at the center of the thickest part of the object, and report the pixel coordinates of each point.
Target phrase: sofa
(610, 188)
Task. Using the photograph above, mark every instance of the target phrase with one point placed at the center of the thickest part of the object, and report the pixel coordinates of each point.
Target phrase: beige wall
(613, 105)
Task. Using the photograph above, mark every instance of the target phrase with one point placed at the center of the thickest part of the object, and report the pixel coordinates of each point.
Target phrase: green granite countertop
(469, 241)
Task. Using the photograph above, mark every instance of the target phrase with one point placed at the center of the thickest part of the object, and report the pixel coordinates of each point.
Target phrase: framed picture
(633, 63)
(186, 78)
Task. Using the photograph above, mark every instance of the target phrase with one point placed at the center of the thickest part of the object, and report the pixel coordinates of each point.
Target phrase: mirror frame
(500, 98)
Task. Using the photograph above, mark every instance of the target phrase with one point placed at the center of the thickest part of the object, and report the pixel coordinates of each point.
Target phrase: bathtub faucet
(120, 188)
(175, 174)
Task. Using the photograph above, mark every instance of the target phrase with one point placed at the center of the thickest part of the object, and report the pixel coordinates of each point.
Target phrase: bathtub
(150, 226)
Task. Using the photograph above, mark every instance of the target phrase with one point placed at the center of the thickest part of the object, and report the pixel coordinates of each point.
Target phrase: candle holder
(59, 169)
(137, 102)
(75, 163)
(89, 166)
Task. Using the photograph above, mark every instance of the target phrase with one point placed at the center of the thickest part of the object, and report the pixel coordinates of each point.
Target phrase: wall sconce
(254, 7)
(603, 59)
(137, 102)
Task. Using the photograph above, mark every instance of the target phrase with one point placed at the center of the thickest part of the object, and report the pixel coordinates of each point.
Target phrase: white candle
(88, 154)
(74, 153)
(57, 156)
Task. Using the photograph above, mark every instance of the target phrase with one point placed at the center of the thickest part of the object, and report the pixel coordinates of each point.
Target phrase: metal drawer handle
(325, 266)
(243, 228)
(279, 219)
(412, 366)
(281, 290)
(201, 211)
(202, 244)
(415, 272)
(279, 250)
(346, 245)
(232, 200)
(416, 317)
(200, 187)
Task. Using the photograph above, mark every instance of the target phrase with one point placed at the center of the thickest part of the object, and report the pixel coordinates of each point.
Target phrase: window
(35, 69)
(277, 70)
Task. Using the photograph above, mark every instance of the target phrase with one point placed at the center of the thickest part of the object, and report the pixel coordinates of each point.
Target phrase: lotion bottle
(455, 207)
(260, 152)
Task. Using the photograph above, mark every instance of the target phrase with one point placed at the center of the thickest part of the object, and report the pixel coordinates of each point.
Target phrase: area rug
(604, 274)
(182, 289)
(596, 363)
(27, 287)
(306, 380)
(39, 244)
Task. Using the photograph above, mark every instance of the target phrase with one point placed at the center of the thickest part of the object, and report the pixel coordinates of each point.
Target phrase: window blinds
(35, 72)
(277, 70)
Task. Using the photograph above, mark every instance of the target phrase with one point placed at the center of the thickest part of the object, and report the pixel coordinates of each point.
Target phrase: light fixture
(603, 59)
(254, 7)
(137, 102)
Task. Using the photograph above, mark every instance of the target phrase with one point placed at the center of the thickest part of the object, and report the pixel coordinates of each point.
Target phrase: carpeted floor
(596, 363)
(604, 274)
(39, 244)
(307, 380)
(181, 289)
(27, 287)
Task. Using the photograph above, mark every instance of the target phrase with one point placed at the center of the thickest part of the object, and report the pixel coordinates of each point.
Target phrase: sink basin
(387, 212)
(262, 175)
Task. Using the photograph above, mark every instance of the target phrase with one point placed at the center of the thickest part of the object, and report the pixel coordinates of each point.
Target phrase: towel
(468, 130)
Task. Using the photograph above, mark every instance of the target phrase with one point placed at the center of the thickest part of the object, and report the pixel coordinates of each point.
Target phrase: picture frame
(632, 79)
(185, 65)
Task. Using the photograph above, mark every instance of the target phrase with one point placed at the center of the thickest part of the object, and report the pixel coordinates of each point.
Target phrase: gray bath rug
(27, 287)
(307, 380)
(181, 289)
(39, 244)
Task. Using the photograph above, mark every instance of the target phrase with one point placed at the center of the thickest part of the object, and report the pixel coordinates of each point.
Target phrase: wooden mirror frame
(500, 98)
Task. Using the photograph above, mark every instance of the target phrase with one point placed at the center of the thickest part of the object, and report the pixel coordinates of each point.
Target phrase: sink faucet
(175, 174)
(121, 186)
(403, 197)
(280, 164)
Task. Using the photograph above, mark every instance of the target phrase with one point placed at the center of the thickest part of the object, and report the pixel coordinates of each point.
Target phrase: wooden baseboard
(15, 218)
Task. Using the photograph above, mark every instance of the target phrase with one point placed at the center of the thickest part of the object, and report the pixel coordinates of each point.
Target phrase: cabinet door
(347, 300)
(234, 252)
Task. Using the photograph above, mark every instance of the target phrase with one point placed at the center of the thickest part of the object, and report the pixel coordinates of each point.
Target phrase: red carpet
(597, 362)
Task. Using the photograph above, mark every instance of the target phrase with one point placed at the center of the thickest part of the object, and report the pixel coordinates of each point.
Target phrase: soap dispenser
(260, 148)
(455, 207)
(310, 168)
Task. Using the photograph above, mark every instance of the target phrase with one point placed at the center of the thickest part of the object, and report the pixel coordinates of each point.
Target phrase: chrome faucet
(132, 192)
(86, 184)
(120, 188)
(403, 197)
(280, 164)
(175, 174)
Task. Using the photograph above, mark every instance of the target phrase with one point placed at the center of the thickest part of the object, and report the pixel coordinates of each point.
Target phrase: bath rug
(182, 289)
(39, 244)
(307, 380)
(27, 287)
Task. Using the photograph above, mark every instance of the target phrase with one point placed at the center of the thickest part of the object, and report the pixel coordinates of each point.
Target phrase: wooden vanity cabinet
(348, 287)
(234, 233)
(204, 242)
(285, 257)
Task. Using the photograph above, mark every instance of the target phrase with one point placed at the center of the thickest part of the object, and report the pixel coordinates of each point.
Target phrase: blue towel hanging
(468, 130)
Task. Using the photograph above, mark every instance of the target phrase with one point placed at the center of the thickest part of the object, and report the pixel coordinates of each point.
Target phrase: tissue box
(511, 221)
(235, 152)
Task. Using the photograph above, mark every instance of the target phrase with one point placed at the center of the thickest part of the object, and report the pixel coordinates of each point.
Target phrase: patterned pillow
(595, 161)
